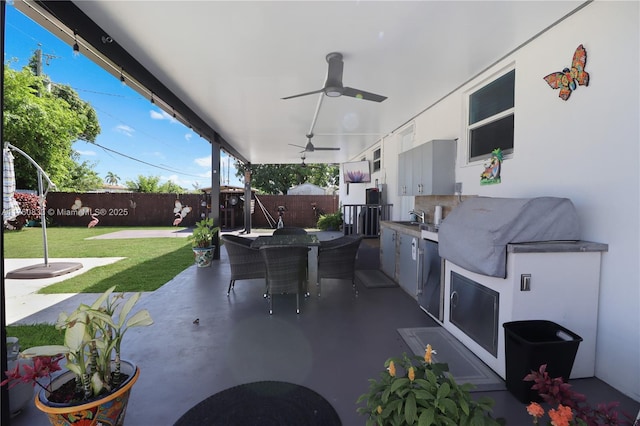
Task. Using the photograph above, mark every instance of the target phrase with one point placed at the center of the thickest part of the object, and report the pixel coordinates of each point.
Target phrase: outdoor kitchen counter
(556, 247)
(411, 228)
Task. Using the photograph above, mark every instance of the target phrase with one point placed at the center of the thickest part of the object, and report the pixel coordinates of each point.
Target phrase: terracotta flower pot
(107, 411)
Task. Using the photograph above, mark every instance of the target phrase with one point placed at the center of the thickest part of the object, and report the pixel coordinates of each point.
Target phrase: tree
(44, 125)
(170, 187)
(144, 184)
(151, 184)
(112, 178)
(82, 178)
(279, 178)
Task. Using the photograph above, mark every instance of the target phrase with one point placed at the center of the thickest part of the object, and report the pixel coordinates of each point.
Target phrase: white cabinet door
(388, 252)
(408, 264)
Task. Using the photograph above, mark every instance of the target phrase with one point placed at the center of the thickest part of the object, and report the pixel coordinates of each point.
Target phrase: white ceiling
(231, 62)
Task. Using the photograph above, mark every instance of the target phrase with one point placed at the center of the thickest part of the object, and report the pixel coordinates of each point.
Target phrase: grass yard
(36, 335)
(149, 263)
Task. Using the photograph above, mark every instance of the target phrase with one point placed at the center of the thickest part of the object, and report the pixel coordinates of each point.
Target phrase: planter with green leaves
(201, 242)
(97, 382)
(426, 394)
(330, 222)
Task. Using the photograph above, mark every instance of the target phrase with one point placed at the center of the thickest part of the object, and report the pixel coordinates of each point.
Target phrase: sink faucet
(419, 214)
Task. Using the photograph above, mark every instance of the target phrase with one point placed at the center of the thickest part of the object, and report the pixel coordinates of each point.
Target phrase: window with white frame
(491, 113)
(376, 159)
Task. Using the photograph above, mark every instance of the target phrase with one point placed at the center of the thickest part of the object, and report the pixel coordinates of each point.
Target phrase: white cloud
(89, 153)
(124, 129)
(185, 183)
(203, 161)
(161, 115)
(188, 136)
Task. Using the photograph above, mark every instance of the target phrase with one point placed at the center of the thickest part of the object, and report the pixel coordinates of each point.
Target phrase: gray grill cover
(476, 233)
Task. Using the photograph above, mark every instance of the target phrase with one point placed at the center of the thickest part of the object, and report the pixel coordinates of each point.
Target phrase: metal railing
(364, 219)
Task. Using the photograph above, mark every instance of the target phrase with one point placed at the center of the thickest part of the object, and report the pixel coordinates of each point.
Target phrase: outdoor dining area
(290, 260)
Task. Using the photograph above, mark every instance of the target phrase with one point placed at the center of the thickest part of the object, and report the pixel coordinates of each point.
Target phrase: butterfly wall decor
(568, 80)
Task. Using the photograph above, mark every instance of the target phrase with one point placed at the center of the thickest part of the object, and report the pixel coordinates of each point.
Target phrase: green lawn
(36, 335)
(149, 263)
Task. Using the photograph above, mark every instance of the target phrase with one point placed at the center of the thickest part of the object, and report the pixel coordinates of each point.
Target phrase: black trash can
(528, 345)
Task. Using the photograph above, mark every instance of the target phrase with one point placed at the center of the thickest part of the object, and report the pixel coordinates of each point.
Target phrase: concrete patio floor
(336, 343)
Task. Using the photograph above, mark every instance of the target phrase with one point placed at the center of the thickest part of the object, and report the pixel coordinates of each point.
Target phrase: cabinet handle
(420, 283)
(454, 299)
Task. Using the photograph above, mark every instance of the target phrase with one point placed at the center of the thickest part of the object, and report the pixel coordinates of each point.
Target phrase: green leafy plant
(330, 221)
(203, 233)
(92, 344)
(426, 394)
(572, 407)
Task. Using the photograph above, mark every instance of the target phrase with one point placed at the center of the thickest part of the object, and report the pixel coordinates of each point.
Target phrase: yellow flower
(428, 354)
(412, 374)
(392, 369)
(379, 409)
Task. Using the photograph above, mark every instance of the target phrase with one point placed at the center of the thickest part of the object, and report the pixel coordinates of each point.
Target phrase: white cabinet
(428, 169)
(405, 174)
(388, 251)
(408, 263)
(555, 282)
(400, 254)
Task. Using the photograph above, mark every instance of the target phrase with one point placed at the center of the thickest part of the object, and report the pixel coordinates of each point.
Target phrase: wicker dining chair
(246, 262)
(286, 268)
(290, 230)
(337, 258)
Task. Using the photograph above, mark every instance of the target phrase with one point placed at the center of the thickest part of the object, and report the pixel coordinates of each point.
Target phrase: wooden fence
(141, 209)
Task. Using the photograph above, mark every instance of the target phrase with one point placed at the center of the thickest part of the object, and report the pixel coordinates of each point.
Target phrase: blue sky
(130, 124)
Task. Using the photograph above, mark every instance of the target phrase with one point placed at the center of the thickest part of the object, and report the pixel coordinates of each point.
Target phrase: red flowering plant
(30, 207)
(41, 367)
(572, 407)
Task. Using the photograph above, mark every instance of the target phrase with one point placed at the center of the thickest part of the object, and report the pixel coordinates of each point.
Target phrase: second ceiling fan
(309, 147)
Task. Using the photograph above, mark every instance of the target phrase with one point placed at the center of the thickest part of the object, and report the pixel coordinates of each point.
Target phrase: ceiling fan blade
(361, 94)
(319, 148)
(304, 94)
(304, 148)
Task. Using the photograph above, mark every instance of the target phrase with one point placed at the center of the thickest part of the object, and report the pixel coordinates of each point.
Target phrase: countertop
(427, 231)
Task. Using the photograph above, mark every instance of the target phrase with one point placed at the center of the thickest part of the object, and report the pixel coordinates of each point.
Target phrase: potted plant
(426, 394)
(201, 242)
(96, 382)
(330, 222)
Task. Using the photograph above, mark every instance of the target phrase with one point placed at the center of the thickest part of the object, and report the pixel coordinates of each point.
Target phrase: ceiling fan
(333, 84)
(310, 147)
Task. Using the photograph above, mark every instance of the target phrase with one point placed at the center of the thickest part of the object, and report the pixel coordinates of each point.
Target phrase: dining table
(308, 240)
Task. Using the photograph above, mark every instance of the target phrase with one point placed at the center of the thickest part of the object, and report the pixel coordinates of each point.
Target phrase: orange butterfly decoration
(569, 79)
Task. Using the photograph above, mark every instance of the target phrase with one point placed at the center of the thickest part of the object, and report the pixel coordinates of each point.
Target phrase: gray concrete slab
(23, 303)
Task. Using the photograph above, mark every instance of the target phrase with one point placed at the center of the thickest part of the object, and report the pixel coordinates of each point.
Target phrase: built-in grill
(476, 233)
